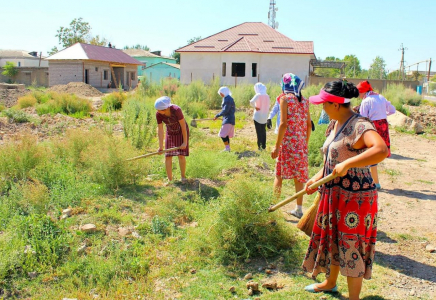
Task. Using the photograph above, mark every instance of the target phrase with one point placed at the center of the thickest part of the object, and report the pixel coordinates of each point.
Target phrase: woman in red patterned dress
(177, 134)
(345, 230)
(292, 139)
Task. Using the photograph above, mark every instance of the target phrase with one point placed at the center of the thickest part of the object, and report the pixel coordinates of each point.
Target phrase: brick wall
(65, 72)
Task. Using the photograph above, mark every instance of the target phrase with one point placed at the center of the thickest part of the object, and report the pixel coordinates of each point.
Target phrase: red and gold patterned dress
(345, 229)
(292, 160)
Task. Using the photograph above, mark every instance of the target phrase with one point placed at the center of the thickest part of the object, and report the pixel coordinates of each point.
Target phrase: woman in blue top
(228, 113)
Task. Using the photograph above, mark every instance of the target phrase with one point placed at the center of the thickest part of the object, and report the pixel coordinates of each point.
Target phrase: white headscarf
(225, 91)
(162, 103)
(260, 88)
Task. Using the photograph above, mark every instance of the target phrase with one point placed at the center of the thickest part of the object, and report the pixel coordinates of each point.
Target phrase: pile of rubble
(81, 89)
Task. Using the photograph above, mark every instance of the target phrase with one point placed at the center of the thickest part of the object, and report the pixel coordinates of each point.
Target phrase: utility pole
(272, 15)
(429, 68)
(402, 61)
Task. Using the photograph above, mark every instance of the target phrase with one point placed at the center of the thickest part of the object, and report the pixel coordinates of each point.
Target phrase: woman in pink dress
(292, 139)
(177, 134)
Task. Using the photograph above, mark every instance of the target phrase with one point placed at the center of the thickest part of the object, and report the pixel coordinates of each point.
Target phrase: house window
(96, 69)
(132, 75)
(19, 64)
(253, 70)
(238, 69)
(144, 66)
(105, 74)
(224, 69)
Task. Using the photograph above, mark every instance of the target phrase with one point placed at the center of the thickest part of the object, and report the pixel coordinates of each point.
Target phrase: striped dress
(173, 135)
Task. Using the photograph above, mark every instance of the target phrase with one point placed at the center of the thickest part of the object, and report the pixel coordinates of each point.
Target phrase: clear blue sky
(337, 27)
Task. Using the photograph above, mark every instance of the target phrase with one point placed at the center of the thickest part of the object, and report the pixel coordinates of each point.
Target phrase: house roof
(139, 53)
(250, 37)
(80, 51)
(16, 54)
(176, 66)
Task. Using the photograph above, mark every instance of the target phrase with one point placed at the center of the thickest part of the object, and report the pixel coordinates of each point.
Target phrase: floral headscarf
(291, 83)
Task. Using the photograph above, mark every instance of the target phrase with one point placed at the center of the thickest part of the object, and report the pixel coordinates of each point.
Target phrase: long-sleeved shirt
(275, 111)
(376, 107)
(262, 102)
(227, 111)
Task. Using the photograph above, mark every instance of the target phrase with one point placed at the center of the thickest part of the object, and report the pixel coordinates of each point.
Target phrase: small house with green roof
(149, 59)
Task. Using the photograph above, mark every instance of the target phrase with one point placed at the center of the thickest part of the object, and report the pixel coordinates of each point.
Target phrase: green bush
(113, 101)
(317, 139)
(2, 107)
(139, 122)
(26, 101)
(67, 104)
(399, 95)
(209, 164)
(16, 115)
(244, 228)
(18, 159)
(104, 161)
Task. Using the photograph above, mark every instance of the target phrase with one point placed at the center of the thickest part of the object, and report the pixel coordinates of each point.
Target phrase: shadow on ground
(137, 193)
(400, 157)
(382, 237)
(412, 194)
(406, 266)
(206, 188)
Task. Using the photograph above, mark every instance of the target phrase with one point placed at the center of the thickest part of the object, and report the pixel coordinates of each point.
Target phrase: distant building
(162, 70)
(32, 68)
(249, 52)
(98, 66)
(22, 58)
(148, 58)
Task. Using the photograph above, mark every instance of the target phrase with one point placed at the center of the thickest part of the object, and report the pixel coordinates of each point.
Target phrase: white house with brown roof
(249, 52)
(22, 58)
(98, 66)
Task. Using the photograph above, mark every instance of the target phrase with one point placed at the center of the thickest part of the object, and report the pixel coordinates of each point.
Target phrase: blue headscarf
(291, 83)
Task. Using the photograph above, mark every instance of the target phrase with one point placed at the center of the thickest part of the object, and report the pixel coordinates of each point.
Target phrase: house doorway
(86, 76)
(117, 77)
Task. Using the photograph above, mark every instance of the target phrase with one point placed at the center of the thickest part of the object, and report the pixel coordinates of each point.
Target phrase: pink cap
(326, 97)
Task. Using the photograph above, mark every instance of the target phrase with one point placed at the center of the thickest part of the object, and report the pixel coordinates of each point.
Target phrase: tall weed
(113, 101)
(243, 227)
(26, 101)
(209, 164)
(138, 122)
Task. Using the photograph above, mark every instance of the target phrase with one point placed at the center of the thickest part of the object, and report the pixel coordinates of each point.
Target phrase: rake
(154, 153)
(194, 121)
(303, 192)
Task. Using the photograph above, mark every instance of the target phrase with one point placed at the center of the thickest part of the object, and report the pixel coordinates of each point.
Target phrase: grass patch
(425, 181)
(392, 172)
(16, 115)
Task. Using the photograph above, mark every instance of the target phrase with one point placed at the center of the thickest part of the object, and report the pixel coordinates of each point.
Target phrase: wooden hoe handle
(154, 153)
(302, 192)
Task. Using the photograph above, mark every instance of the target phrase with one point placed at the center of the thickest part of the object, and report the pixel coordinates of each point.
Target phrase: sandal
(311, 288)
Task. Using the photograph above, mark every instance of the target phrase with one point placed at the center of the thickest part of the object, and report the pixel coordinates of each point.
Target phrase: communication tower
(272, 15)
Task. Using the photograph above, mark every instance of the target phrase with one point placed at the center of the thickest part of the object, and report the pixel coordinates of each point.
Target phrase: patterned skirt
(382, 128)
(175, 139)
(344, 233)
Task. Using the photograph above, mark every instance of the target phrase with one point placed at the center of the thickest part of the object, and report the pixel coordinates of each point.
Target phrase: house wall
(64, 72)
(160, 71)
(24, 62)
(270, 67)
(28, 76)
(148, 61)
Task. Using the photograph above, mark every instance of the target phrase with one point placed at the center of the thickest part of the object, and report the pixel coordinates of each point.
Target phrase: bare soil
(79, 88)
(9, 97)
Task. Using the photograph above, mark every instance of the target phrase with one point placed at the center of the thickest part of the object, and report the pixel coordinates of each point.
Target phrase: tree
(433, 79)
(9, 70)
(176, 55)
(377, 69)
(352, 69)
(137, 46)
(416, 76)
(77, 32)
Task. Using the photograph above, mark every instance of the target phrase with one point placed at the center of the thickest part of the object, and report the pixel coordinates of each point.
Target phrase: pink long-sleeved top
(375, 107)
